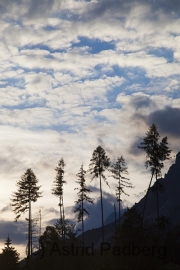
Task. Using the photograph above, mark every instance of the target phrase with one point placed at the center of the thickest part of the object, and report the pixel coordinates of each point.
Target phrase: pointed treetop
(27, 191)
(99, 163)
(8, 241)
(57, 188)
(156, 152)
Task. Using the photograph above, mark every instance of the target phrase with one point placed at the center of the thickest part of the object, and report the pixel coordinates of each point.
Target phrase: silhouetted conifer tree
(118, 169)
(156, 153)
(9, 257)
(99, 163)
(82, 198)
(28, 192)
(69, 230)
(57, 190)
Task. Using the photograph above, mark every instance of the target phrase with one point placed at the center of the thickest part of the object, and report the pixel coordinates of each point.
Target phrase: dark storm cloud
(167, 6)
(6, 4)
(98, 9)
(133, 149)
(93, 189)
(167, 120)
(141, 101)
(42, 8)
(124, 7)
(17, 231)
(95, 10)
(94, 219)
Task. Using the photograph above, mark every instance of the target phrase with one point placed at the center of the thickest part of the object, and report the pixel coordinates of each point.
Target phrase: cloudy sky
(76, 74)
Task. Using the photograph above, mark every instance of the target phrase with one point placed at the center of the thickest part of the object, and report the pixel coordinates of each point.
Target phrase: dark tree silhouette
(82, 198)
(57, 190)
(52, 235)
(49, 236)
(69, 228)
(130, 228)
(99, 163)
(118, 169)
(28, 192)
(156, 153)
(9, 257)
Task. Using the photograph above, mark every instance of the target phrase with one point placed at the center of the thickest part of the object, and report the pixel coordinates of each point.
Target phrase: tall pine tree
(28, 192)
(57, 190)
(82, 198)
(99, 163)
(118, 169)
(156, 153)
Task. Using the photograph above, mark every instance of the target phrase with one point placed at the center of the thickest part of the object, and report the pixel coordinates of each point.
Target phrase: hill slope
(169, 200)
(169, 205)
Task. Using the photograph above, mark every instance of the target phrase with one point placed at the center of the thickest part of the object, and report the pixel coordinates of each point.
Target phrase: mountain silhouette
(169, 200)
(169, 205)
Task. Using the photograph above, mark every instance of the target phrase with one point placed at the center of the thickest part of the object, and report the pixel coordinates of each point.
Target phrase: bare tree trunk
(82, 222)
(63, 219)
(39, 226)
(157, 199)
(60, 210)
(119, 203)
(157, 205)
(29, 230)
(102, 214)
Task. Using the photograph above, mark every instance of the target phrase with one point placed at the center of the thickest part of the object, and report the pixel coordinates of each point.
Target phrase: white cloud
(76, 74)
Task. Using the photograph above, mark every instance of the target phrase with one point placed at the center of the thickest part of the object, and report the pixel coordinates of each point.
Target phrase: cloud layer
(78, 74)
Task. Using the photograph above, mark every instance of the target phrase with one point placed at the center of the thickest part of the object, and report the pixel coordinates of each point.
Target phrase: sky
(77, 74)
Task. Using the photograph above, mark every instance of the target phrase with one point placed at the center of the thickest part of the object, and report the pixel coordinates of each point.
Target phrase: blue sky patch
(95, 45)
(163, 52)
(19, 83)
(132, 75)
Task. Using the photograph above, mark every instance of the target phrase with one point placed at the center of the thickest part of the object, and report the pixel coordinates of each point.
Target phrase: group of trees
(156, 153)
(28, 188)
